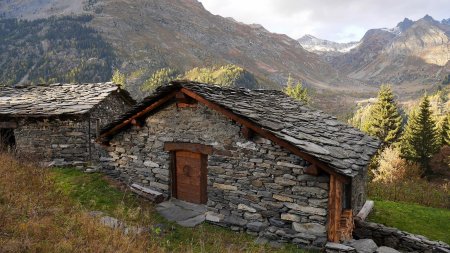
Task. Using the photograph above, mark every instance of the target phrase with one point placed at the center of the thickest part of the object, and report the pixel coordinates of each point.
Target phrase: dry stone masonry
(58, 123)
(254, 186)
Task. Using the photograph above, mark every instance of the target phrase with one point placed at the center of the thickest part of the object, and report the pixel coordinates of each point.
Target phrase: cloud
(342, 20)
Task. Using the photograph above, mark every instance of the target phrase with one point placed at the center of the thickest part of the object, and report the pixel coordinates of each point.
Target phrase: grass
(433, 223)
(46, 211)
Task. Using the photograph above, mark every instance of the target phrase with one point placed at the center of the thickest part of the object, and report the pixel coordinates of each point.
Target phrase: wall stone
(67, 140)
(394, 238)
(253, 185)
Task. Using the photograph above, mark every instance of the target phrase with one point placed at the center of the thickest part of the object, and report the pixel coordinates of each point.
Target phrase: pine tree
(420, 140)
(385, 121)
(297, 92)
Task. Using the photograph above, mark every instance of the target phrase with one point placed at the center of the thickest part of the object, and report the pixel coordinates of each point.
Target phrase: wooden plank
(147, 193)
(204, 179)
(265, 133)
(332, 230)
(192, 147)
(8, 124)
(153, 106)
(365, 210)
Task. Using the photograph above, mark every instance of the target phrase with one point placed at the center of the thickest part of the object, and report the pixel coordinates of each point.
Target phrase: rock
(151, 164)
(256, 226)
(364, 245)
(111, 222)
(284, 181)
(261, 240)
(214, 217)
(252, 216)
(306, 209)
(276, 222)
(333, 247)
(225, 187)
(234, 220)
(309, 228)
(192, 222)
(282, 198)
(246, 208)
(384, 249)
(290, 217)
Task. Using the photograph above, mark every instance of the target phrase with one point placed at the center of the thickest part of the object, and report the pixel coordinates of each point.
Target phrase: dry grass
(36, 217)
(418, 191)
(45, 210)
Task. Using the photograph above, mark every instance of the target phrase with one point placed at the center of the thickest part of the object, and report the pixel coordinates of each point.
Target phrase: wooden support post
(334, 209)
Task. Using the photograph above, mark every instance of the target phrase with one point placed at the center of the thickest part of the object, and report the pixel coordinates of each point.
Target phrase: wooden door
(190, 173)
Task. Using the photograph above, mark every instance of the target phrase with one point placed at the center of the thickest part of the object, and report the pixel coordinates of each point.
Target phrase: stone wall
(53, 140)
(254, 186)
(394, 238)
(65, 141)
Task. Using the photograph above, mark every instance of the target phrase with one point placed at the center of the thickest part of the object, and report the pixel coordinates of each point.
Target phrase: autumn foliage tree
(297, 91)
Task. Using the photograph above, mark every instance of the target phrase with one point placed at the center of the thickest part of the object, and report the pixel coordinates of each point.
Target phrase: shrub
(392, 168)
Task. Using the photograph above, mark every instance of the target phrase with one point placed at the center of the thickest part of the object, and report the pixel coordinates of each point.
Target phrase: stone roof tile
(344, 148)
(54, 99)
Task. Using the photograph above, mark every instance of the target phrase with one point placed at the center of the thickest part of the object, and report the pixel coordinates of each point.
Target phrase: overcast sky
(337, 20)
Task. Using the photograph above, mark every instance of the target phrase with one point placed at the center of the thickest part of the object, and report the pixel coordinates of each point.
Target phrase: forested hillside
(61, 49)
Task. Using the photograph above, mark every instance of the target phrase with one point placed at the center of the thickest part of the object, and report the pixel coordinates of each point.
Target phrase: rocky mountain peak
(405, 24)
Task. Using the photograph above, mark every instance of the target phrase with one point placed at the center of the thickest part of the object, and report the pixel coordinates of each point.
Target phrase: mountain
(413, 53)
(148, 35)
(325, 47)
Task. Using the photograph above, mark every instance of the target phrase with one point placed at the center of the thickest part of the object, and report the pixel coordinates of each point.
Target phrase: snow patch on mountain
(320, 46)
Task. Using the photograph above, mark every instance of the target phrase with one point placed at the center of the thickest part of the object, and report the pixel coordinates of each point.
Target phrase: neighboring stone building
(259, 161)
(58, 123)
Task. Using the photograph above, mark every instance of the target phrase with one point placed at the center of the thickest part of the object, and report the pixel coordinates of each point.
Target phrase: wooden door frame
(203, 150)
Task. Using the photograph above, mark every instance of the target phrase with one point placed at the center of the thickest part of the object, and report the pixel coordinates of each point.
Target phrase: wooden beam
(264, 133)
(365, 210)
(192, 147)
(137, 123)
(247, 132)
(8, 124)
(139, 114)
(147, 193)
(334, 209)
(184, 101)
(312, 170)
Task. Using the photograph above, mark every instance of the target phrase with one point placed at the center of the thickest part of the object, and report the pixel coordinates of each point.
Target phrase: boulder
(384, 249)
(364, 245)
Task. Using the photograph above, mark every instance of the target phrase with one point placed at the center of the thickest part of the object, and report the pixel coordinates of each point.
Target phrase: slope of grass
(46, 211)
(433, 223)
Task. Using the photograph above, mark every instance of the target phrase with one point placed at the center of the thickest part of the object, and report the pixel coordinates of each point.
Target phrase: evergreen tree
(420, 140)
(385, 121)
(297, 91)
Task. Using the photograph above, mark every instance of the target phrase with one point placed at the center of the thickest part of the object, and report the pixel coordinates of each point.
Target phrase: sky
(336, 20)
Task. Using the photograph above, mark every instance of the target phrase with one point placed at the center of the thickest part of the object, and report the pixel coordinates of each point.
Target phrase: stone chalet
(260, 161)
(57, 123)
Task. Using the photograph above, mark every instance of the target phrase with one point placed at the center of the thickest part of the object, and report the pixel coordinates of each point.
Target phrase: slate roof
(344, 148)
(55, 99)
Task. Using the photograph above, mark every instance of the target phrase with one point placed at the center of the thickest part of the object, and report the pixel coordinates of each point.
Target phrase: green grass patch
(433, 223)
(95, 192)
